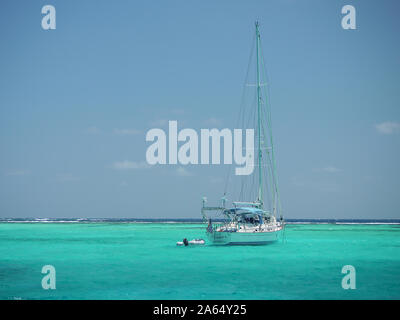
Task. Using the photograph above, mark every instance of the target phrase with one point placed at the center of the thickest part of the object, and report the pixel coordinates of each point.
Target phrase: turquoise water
(141, 261)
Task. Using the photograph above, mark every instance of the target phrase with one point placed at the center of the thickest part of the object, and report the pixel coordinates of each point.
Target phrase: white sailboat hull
(244, 238)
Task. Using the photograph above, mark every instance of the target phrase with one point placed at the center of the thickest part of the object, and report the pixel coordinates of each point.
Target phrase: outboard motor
(185, 242)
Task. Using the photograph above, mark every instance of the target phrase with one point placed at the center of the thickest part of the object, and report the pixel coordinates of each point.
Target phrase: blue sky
(76, 103)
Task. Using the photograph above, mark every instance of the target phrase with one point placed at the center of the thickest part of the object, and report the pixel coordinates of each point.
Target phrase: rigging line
(273, 174)
(259, 157)
(254, 85)
(267, 186)
(273, 193)
(242, 102)
(274, 167)
(269, 175)
(241, 108)
(268, 153)
(252, 194)
(271, 137)
(267, 115)
(251, 118)
(245, 179)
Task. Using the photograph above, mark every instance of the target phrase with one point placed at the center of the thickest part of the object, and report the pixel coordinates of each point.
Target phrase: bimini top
(244, 210)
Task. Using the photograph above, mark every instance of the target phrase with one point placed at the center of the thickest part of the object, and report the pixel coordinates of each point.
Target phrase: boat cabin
(247, 215)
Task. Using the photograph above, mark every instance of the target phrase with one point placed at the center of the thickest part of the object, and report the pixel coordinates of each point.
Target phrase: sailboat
(256, 221)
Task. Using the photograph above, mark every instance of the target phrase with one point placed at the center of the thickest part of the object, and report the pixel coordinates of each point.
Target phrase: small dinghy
(185, 242)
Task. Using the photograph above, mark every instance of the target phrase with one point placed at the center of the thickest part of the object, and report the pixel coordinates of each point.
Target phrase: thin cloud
(315, 185)
(67, 177)
(177, 111)
(124, 132)
(213, 122)
(329, 169)
(92, 130)
(159, 123)
(183, 172)
(130, 165)
(216, 180)
(16, 173)
(295, 181)
(388, 127)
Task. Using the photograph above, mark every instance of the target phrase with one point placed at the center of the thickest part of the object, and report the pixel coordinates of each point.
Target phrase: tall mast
(260, 192)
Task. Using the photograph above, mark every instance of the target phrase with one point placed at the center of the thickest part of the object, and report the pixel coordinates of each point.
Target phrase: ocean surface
(139, 259)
